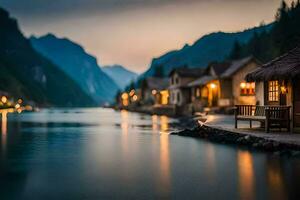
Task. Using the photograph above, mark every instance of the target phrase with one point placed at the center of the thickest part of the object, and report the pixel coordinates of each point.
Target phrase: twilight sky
(132, 32)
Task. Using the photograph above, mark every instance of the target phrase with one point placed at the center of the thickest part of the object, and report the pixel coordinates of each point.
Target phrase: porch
(227, 122)
(270, 117)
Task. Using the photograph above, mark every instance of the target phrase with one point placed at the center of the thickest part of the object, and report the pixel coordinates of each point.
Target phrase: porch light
(243, 85)
(131, 93)
(135, 97)
(283, 90)
(124, 96)
(4, 99)
(213, 86)
(154, 92)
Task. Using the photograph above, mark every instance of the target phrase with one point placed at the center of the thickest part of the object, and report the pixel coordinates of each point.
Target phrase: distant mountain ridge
(27, 74)
(120, 75)
(79, 65)
(212, 47)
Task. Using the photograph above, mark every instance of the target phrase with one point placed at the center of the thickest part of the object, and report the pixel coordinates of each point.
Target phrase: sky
(133, 32)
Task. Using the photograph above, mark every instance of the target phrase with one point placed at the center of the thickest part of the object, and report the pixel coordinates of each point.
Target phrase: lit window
(273, 91)
(247, 89)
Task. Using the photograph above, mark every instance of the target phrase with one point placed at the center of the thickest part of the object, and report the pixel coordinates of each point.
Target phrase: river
(100, 153)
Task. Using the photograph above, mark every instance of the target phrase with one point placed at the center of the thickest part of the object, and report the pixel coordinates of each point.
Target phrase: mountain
(120, 75)
(27, 74)
(79, 65)
(212, 47)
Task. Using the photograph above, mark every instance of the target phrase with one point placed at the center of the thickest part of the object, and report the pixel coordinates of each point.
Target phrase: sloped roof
(218, 67)
(235, 66)
(155, 83)
(188, 72)
(286, 66)
(201, 81)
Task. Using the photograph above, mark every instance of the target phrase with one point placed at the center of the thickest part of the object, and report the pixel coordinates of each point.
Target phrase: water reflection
(210, 157)
(3, 129)
(164, 124)
(154, 123)
(164, 161)
(275, 180)
(246, 175)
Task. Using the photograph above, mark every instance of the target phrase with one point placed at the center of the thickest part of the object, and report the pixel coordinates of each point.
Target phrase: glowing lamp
(17, 106)
(154, 92)
(4, 99)
(135, 97)
(213, 86)
(283, 89)
(243, 85)
(124, 95)
(131, 93)
(20, 101)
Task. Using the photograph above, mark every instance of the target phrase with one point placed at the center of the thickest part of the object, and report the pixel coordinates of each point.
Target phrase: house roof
(218, 67)
(201, 81)
(188, 72)
(236, 65)
(286, 66)
(155, 83)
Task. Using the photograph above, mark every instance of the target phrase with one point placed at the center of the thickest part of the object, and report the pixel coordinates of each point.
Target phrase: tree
(236, 52)
(158, 71)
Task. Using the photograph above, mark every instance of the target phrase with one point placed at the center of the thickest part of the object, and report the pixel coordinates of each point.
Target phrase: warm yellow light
(17, 106)
(20, 101)
(124, 96)
(154, 92)
(243, 85)
(283, 89)
(213, 86)
(135, 97)
(131, 93)
(4, 99)
(164, 97)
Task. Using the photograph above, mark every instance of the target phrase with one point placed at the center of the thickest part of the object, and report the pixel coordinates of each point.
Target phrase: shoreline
(241, 140)
(191, 128)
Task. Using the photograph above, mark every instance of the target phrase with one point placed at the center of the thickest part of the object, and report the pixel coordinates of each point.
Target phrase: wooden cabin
(223, 85)
(278, 87)
(180, 94)
(154, 91)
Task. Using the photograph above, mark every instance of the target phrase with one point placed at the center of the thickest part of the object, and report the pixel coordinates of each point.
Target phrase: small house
(278, 85)
(180, 93)
(154, 90)
(223, 85)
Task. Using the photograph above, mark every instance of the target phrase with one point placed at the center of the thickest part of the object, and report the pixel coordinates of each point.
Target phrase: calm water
(103, 154)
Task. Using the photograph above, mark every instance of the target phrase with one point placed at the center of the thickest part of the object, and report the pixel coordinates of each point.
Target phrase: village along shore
(267, 94)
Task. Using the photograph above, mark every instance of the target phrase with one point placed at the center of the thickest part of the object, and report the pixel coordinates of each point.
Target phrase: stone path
(226, 122)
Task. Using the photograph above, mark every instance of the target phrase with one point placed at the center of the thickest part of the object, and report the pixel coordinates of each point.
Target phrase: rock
(256, 145)
(268, 146)
(247, 137)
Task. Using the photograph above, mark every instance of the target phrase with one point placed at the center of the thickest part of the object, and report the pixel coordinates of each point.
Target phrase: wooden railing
(272, 116)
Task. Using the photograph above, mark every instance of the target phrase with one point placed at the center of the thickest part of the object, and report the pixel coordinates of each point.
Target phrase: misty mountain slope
(211, 47)
(27, 74)
(120, 75)
(79, 65)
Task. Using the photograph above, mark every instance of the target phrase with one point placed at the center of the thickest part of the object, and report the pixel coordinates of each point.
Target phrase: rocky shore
(247, 141)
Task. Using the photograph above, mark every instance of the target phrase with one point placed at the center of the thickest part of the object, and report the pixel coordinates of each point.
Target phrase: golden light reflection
(275, 180)
(3, 129)
(246, 175)
(125, 128)
(164, 124)
(124, 122)
(165, 164)
(210, 162)
(154, 123)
